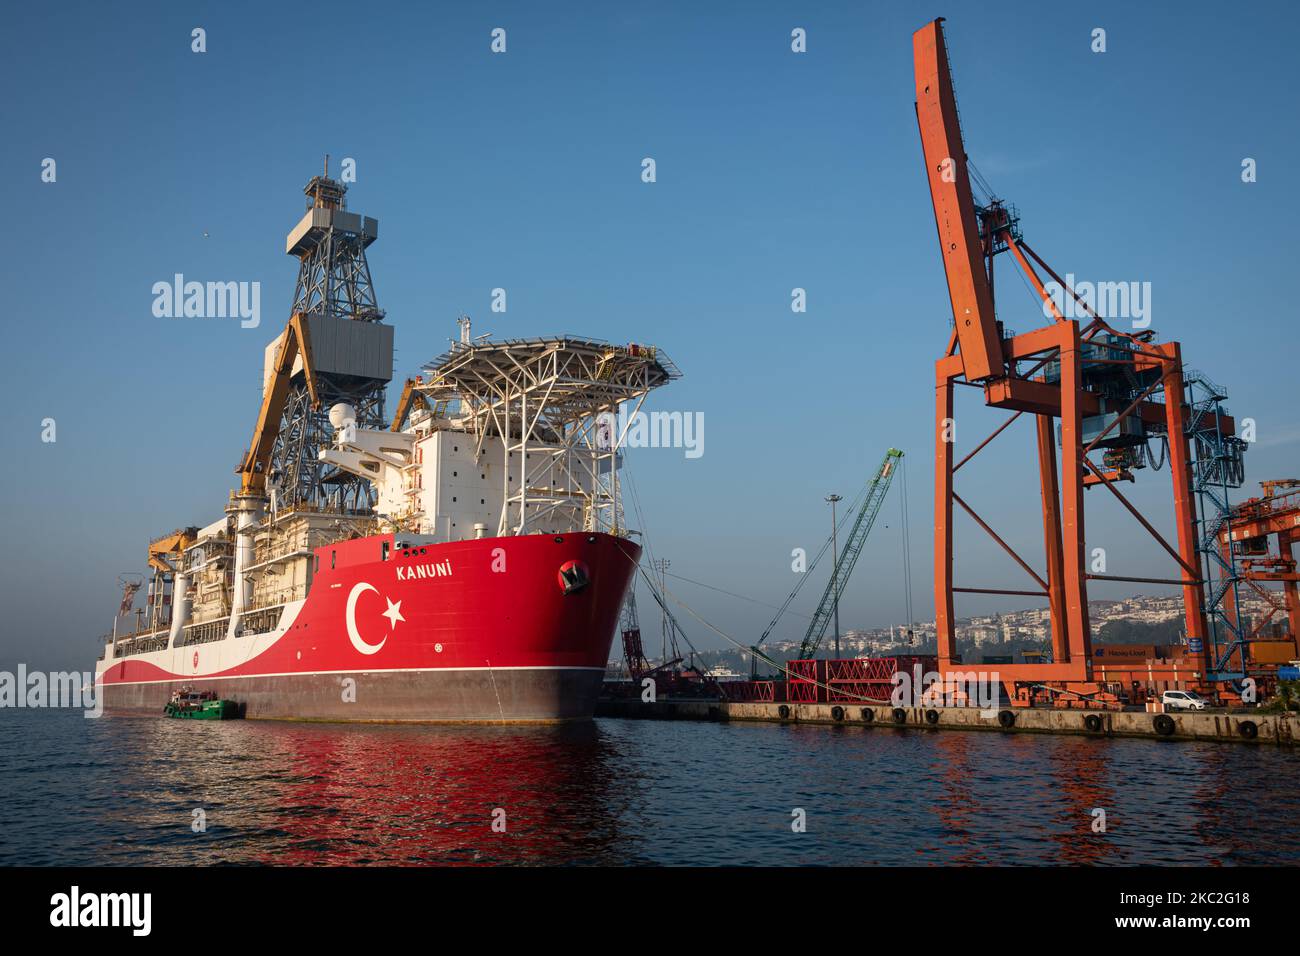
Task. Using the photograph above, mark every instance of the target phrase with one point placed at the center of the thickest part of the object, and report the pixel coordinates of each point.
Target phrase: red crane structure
(1264, 531)
(1112, 392)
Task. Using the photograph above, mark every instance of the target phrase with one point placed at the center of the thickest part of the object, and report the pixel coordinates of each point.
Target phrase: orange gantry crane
(1113, 393)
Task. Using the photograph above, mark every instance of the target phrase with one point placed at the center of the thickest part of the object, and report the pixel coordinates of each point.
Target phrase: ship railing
(162, 627)
(265, 553)
(278, 598)
(308, 508)
(213, 611)
(138, 645)
(260, 620)
(206, 632)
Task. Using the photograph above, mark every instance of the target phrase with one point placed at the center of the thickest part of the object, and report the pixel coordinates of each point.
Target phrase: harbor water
(155, 791)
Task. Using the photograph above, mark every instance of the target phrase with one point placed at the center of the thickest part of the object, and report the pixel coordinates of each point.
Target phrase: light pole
(662, 565)
(835, 573)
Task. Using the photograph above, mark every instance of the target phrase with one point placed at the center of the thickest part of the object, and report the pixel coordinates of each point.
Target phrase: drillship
(465, 560)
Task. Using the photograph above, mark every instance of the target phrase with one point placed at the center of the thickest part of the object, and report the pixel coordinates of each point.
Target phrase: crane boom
(406, 404)
(174, 543)
(850, 553)
(954, 207)
(294, 343)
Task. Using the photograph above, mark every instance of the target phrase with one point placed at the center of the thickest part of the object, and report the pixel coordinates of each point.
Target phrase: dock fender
(783, 711)
(837, 712)
(931, 716)
(1248, 729)
(900, 715)
(867, 715)
(1093, 723)
(1163, 724)
(1006, 719)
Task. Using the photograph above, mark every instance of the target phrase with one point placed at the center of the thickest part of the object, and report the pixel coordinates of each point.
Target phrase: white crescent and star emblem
(394, 614)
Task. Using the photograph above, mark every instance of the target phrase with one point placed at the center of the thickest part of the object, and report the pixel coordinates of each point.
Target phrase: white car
(1183, 700)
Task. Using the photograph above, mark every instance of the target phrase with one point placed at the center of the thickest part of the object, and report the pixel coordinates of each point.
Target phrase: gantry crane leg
(1074, 566)
(1050, 491)
(1230, 610)
(946, 369)
(1286, 548)
(1180, 466)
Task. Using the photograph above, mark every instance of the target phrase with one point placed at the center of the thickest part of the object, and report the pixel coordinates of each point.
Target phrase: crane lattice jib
(849, 554)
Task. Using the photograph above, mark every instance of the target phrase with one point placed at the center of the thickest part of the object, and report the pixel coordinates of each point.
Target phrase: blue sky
(522, 171)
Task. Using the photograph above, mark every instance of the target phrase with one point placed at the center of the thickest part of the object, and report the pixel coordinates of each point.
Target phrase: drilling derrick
(351, 352)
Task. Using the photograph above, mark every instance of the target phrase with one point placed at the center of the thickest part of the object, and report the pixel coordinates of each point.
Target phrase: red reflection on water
(996, 791)
(959, 808)
(1080, 767)
(431, 795)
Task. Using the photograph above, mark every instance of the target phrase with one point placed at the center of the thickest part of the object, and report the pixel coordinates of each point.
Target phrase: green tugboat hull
(208, 710)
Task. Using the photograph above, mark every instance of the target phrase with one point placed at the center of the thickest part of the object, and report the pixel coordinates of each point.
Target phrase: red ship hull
(479, 630)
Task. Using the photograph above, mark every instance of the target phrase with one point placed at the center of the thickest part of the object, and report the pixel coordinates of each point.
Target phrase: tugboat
(188, 704)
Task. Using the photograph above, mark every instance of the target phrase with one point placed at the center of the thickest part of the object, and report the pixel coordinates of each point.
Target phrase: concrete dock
(1218, 726)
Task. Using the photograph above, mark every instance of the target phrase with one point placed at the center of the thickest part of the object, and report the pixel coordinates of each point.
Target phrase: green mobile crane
(849, 555)
(871, 501)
